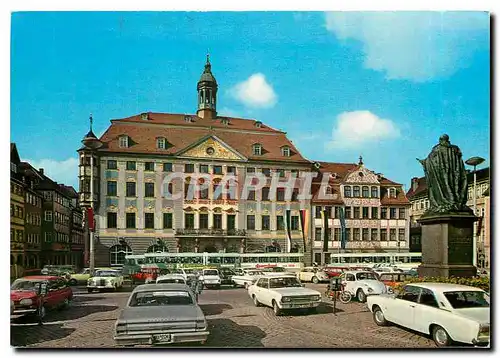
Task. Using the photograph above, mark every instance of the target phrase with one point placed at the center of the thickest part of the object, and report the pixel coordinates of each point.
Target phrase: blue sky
(381, 85)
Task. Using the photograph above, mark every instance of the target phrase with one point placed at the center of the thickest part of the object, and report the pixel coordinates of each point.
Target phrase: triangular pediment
(362, 175)
(211, 147)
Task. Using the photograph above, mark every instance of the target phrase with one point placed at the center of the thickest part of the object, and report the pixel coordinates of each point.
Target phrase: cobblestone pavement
(233, 321)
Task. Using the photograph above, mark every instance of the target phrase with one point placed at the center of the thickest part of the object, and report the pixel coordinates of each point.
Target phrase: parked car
(105, 280)
(312, 274)
(226, 276)
(391, 280)
(248, 278)
(59, 270)
(448, 312)
(283, 293)
(210, 278)
(27, 300)
(362, 284)
(187, 274)
(171, 278)
(160, 314)
(83, 276)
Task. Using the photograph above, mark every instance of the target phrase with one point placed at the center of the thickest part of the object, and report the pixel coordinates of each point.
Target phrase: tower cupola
(207, 93)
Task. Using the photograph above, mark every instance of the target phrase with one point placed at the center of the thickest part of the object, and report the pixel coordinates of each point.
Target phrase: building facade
(17, 212)
(418, 197)
(375, 210)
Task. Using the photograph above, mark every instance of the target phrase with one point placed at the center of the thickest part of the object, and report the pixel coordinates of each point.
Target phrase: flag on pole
(326, 230)
(90, 219)
(303, 225)
(288, 225)
(342, 228)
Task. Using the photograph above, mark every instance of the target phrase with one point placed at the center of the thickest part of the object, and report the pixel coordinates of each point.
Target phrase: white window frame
(123, 141)
(160, 143)
(257, 149)
(116, 251)
(48, 215)
(285, 151)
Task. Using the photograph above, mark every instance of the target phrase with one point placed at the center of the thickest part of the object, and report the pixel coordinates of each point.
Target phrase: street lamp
(474, 162)
(91, 143)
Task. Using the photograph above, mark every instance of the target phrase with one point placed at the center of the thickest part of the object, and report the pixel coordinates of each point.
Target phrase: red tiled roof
(240, 135)
(421, 188)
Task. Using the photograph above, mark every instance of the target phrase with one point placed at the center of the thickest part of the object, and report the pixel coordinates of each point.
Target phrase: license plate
(302, 305)
(162, 338)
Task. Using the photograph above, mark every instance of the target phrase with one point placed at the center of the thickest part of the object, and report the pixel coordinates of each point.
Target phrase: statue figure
(446, 178)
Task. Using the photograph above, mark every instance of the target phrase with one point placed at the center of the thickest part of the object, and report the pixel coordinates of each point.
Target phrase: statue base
(447, 247)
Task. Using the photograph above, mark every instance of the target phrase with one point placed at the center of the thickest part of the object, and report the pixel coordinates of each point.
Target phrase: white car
(171, 278)
(105, 280)
(362, 284)
(313, 274)
(248, 278)
(283, 293)
(186, 273)
(447, 312)
(210, 278)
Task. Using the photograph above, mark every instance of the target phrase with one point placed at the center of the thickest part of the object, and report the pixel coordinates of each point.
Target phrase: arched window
(328, 190)
(355, 191)
(285, 151)
(365, 192)
(392, 192)
(157, 248)
(117, 254)
(347, 191)
(374, 192)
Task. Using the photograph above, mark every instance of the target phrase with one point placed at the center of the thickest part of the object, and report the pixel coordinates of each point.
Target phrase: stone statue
(446, 178)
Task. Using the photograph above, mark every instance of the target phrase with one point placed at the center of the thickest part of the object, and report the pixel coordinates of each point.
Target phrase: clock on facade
(210, 150)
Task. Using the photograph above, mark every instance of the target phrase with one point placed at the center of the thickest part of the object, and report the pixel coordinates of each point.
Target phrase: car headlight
(26, 302)
(201, 324)
(390, 290)
(285, 299)
(484, 330)
(120, 328)
(370, 290)
(90, 282)
(316, 298)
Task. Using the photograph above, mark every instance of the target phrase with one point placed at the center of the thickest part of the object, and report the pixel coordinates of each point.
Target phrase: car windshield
(254, 273)
(281, 282)
(189, 271)
(171, 280)
(468, 299)
(24, 285)
(84, 271)
(366, 276)
(177, 272)
(161, 298)
(106, 274)
(210, 272)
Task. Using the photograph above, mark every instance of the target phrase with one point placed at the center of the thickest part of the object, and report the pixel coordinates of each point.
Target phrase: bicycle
(343, 295)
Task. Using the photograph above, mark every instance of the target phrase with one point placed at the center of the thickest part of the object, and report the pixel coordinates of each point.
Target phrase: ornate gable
(211, 148)
(362, 176)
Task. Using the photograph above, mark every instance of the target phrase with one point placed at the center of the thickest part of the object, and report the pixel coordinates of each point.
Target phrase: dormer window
(258, 124)
(188, 119)
(144, 116)
(13, 167)
(257, 149)
(328, 190)
(285, 151)
(392, 192)
(123, 141)
(224, 121)
(160, 143)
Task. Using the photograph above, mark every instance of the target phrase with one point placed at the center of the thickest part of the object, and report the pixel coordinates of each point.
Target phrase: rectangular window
(48, 215)
(131, 189)
(366, 234)
(317, 212)
(188, 168)
(204, 193)
(189, 221)
(217, 221)
(280, 194)
(217, 192)
(250, 170)
(203, 221)
(149, 190)
(374, 234)
(280, 222)
(266, 222)
(355, 191)
(217, 169)
(295, 222)
(265, 194)
(250, 222)
(356, 212)
(111, 220)
(231, 222)
(383, 213)
(149, 166)
(365, 212)
(167, 167)
(348, 234)
(203, 168)
(251, 194)
(374, 213)
(231, 170)
(336, 234)
(149, 220)
(401, 234)
(357, 234)
(392, 233)
(111, 188)
(131, 166)
(374, 192)
(317, 234)
(130, 220)
(48, 237)
(348, 212)
(328, 210)
(281, 173)
(383, 234)
(402, 213)
(392, 212)
(295, 195)
(112, 164)
(167, 220)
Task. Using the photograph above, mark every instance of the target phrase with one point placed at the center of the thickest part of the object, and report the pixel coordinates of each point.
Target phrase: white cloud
(354, 129)
(255, 92)
(64, 171)
(418, 46)
(228, 112)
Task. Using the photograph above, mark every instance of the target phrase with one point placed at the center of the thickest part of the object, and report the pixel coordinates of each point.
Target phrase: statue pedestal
(447, 247)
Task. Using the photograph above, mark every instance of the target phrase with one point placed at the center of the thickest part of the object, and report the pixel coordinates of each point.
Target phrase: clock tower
(207, 93)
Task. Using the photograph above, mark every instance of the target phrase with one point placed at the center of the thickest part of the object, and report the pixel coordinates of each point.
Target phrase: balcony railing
(209, 232)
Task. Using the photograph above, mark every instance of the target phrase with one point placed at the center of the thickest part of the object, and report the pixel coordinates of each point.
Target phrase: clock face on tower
(210, 151)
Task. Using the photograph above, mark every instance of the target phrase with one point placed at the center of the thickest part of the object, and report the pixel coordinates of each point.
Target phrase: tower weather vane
(91, 120)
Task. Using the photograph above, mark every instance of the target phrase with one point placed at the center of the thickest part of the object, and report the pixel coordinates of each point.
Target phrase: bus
(289, 261)
(192, 259)
(402, 260)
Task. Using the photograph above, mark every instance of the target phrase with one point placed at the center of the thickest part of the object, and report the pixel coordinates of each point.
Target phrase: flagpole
(91, 231)
(340, 231)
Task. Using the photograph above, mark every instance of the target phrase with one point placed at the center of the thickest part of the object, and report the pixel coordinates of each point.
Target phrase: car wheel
(89, 290)
(360, 295)
(276, 309)
(246, 286)
(441, 337)
(379, 318)
(65, 303)
(315, 279)
(256, 301)
(73, 282)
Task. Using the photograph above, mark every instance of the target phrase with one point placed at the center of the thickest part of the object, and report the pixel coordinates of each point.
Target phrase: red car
(25, 294)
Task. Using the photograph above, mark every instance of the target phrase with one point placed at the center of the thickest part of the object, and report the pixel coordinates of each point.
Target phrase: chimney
(414, 184)
(41, 171)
